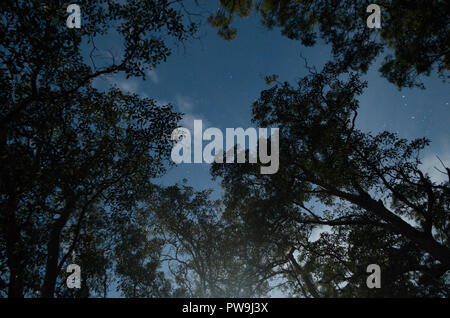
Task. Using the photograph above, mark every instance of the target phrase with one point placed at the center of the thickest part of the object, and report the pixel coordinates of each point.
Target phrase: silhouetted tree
(368, 188)
(414, 34)
(206, 255)
(76, 162)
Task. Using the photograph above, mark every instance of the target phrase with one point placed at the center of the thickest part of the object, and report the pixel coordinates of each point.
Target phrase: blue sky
(217, 81)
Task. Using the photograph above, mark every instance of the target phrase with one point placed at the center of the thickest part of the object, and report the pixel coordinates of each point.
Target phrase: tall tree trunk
(53, 247)
(14, 252)
(304, 276)
(16, 283)
(51, 268)
(424, 240)
(16, 265)
(365, 201)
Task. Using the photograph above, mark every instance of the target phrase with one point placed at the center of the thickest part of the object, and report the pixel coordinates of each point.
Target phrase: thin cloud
(153, 76)
(186, 105)
(129, 86)
(126, 85)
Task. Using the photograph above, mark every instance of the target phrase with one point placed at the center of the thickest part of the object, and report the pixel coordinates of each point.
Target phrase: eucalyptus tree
(74, 159)
(368, 189)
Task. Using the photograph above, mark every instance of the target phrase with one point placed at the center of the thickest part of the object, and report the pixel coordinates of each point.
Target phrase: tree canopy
(76, 162)
(414, 35)
(368, 189)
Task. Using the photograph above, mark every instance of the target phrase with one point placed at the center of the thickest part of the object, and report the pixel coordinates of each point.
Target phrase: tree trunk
(305, 276)
(53, 247)
(422, 239)
(14, 252)
(16, 283)
(16, 265)
(51, 268)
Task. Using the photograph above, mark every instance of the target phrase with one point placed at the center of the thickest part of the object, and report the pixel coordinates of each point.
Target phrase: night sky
(217, 81)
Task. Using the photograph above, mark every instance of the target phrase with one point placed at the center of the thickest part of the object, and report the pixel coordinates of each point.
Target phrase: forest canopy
(80, 166)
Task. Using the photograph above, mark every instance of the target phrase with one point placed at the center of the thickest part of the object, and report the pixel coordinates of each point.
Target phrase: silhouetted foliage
(207, 256)
(76, 162)
(414, 34)
(368, 189)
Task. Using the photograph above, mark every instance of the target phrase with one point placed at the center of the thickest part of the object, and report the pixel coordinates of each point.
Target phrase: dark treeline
(77, 163)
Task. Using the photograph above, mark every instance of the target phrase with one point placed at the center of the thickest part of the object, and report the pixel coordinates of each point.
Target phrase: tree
(415, 33)
(138, 260)
(206, 255)
(73, 157)
(380, 206)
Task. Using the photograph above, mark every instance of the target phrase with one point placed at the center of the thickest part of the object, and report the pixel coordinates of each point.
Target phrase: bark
(51, 268)
(305, 276)
(16, 265)
(365, 201)
(53, 248)
(14, 252)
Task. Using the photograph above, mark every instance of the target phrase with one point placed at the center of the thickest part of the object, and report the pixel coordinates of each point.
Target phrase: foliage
(368, 189)
(206, 255)
(72, 156)
(414, 34)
